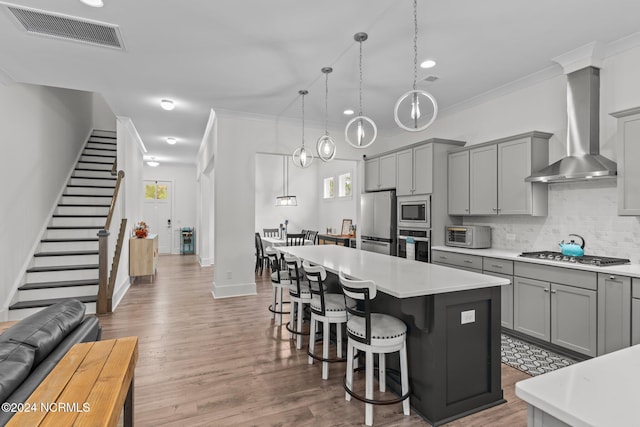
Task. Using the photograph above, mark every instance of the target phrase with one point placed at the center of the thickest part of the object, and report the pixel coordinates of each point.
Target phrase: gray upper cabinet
(414, 167)
(380, 173)
(497, 170)
(614, 312)
(628, 155)
(483, 176)
(458, 183)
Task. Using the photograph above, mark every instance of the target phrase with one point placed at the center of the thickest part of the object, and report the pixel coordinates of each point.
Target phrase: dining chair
(261, 258)
(373, 333)
(312, 236)
(327, 308)
(271, 232)
(295, 239)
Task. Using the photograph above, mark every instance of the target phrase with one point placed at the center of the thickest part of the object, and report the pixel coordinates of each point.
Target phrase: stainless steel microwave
(414, 211)
(468, 236)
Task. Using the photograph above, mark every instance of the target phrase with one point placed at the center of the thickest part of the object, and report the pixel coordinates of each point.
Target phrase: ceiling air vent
(66, 27)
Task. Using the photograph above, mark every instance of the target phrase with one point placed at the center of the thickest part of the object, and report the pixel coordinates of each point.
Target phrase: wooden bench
(88, 387)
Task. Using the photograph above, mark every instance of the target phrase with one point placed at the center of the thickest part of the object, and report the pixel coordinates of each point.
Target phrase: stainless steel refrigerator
(378, 225)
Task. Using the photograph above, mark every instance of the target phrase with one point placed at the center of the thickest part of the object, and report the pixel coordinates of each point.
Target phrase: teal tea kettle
(572, 248)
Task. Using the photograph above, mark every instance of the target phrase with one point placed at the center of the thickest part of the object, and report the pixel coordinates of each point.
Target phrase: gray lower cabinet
(635, 312)
(561, 313)
(614, 313)
(532, 308)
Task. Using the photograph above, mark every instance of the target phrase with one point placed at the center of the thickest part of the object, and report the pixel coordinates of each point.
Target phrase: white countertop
(631, 270)
(394, 276)
(604, 391)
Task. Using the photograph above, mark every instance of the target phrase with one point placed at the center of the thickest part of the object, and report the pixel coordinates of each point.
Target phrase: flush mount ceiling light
(167, 104)
(363, 130)
(153, 163)
(286, 199)
(171, 141)
(409, 115)
(302, 157)
(93, 3)
(326, 146)
(429, 63)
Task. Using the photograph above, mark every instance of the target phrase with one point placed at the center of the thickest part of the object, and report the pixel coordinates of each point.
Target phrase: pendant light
(410, 115)
(302, 157)
(363, 128)
(286, 199)
(326, 146)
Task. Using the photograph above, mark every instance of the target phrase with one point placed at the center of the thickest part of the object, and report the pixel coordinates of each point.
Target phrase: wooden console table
(143, 256)
(336, 239)
(88, 387)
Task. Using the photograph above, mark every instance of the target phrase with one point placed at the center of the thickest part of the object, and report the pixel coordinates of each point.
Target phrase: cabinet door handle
(494, 209)
(546, 290)
(496, 266)
(554, 292)
(466, 209)
(612, 277)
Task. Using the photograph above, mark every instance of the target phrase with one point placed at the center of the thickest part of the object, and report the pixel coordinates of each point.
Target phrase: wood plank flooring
(206, 362)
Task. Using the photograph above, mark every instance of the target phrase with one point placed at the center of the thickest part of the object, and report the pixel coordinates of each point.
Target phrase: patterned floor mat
(529, 358)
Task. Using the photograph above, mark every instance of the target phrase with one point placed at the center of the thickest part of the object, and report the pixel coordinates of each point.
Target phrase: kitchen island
(453, 319)
(598, 392)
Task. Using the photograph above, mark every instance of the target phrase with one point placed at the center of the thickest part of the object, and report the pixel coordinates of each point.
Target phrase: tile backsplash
(587, 208)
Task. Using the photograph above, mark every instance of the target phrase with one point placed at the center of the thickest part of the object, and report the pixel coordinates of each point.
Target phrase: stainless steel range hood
(583, 160)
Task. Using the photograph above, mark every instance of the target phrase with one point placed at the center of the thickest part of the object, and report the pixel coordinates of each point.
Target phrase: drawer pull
(612, 277)
(554, 292)
(546, 290)
(496, 266)
(468, 261)
(442, 257)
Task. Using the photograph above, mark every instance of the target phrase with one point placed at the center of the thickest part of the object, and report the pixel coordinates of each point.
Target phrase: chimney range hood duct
(583, 160)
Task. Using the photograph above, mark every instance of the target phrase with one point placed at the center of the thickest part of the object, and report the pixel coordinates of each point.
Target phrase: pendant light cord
(303, 120)
(326, 103)
(360, 78)
(415, 43)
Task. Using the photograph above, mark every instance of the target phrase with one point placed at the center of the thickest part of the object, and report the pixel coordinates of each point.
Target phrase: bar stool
(299, 294)
(279, 282)
(327, 308)
(373, 333)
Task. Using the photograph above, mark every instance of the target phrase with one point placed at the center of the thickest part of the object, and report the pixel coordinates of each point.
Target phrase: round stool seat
(333, 304)
(386, 330)
(305, 292)
(284, 275)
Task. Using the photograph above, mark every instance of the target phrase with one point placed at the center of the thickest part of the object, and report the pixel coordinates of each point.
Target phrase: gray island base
(453, 320)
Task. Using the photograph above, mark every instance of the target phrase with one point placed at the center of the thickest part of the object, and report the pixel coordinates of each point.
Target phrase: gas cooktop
(586, 259)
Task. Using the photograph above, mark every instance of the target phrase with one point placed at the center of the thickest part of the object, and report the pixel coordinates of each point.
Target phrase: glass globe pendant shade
(415, 111)
(302, 157)
(360, 132)
(326, 147)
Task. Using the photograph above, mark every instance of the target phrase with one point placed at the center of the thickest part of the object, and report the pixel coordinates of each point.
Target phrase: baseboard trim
(236, 290)
(120, 293)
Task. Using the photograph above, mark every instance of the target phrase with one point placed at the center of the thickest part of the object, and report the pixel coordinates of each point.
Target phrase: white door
(158, 212)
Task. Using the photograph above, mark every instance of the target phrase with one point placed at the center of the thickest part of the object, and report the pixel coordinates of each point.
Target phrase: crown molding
(626, 43)
(590, 55)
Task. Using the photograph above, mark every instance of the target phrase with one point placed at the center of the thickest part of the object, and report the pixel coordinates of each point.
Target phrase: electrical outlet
(511, 236)
(467, 317)
(229, 275)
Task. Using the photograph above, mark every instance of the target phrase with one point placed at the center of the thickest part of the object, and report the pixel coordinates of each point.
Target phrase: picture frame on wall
(346, 226)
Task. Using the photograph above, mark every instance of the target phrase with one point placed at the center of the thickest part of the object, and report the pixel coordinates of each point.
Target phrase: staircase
(66, 263)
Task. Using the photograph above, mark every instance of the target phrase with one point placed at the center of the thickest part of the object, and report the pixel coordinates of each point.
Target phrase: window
(329, 188)
(344, 189)
(156, 191)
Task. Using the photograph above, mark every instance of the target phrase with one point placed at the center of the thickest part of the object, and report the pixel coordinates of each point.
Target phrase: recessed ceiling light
(167, 104)
(348, 112)
(93, 3)
(171, 141)
(429, 63)
(153, 163)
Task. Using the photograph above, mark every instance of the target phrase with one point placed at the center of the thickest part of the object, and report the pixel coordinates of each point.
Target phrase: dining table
(453, 326)
(277, 241)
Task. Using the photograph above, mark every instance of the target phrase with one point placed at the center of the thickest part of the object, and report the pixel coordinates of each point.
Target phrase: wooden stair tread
(64, 253)
(48, 302)
(63, 268)
(62, 284)
(80, 239)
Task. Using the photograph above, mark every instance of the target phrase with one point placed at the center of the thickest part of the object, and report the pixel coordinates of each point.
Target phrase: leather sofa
(31, 348)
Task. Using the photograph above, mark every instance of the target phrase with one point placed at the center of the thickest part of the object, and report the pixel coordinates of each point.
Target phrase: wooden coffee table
(88, 387)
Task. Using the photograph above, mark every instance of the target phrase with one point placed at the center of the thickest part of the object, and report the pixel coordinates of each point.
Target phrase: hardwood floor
(206, 362)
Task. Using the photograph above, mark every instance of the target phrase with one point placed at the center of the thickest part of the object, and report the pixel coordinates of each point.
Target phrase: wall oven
(414, 211)
(422, 238)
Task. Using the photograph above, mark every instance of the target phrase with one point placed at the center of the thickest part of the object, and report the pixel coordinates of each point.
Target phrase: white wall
(103, 117)
(331, 212)
(184, 194)
(42, 132)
